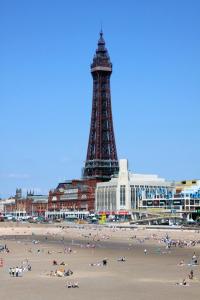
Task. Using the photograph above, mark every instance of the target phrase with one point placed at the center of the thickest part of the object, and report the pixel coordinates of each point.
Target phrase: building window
(133, 202)
(122, 195)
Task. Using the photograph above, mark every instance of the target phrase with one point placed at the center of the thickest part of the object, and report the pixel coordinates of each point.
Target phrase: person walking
(17, 271)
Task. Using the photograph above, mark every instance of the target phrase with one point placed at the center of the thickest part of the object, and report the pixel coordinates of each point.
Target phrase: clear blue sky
(46, 87)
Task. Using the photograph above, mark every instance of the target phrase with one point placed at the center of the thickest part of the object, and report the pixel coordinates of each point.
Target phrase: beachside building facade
(125, 192)
(185, 199)
(31, 205)
(73, 195)
(7, 204)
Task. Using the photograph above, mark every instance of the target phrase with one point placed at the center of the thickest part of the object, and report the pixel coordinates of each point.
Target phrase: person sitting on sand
(62, 263)
(55, 263)
(69, 284)
(121, 259)
(68, 273)
(75, 284)
(183, 283)
(181, 263)
(104, 261)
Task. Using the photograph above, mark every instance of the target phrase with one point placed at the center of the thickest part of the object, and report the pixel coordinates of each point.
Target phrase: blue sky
(46, 87)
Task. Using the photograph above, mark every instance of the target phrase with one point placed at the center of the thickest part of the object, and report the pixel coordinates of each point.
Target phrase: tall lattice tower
(101, 160)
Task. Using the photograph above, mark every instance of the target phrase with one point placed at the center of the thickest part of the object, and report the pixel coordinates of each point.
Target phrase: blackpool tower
(101, 162)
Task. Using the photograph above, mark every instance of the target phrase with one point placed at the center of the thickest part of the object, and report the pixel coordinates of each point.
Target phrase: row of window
(122, 195)
(106, 199)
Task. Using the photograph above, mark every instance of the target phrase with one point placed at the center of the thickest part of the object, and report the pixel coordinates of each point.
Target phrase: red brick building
(30, 205)
(9, 206)
(73, 195)
(77, 194)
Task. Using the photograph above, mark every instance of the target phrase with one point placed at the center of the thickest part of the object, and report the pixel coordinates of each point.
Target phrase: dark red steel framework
(102, 161)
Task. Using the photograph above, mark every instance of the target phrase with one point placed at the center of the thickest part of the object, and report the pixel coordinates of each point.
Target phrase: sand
(151, 276)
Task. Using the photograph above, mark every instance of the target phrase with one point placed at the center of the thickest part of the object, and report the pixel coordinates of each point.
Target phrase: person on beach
(55, 263)
(69, 284)
(6, 249)
(191, 274)
(75, 284)
(121, 259)
(104, 261)
(183, 283)
(16, 271)
(194, 259)
(19, 272)
(72, 284)
(181, 263)
(68, 273)
(145, 251)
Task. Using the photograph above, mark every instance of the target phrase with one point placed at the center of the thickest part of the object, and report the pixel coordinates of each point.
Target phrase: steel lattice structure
(101, 160)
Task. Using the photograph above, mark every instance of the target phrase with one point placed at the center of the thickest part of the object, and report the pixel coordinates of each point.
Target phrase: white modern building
(127, 191)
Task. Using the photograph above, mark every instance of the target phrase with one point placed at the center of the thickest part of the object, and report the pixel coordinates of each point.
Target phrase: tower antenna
(101, 31)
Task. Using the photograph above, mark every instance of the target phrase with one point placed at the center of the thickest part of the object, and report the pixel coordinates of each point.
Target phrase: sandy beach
(141, 276)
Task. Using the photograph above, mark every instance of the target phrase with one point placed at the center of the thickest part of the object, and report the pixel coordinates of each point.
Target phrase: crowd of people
(15, 271)
(4, 248)
(18, 271)
(61, 273)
